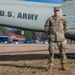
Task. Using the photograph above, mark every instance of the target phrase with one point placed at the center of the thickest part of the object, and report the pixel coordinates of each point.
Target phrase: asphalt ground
(33, 49)
(7, 49)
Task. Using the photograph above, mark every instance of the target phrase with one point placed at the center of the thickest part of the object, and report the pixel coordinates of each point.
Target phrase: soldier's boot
(64, 68)
(50, 69)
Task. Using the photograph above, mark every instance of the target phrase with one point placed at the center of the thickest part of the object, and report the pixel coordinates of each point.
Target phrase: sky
(47, 1)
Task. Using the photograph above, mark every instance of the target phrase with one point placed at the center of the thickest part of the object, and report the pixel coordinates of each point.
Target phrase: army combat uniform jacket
(56, 27)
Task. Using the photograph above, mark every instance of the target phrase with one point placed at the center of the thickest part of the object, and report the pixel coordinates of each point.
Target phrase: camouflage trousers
(60, 45)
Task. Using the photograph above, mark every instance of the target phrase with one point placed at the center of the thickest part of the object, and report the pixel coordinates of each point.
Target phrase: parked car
(28, 40)
(16, 41)
(5, 39)
(46, 41)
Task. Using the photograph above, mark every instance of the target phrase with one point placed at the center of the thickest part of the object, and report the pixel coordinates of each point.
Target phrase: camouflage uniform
(56, 27)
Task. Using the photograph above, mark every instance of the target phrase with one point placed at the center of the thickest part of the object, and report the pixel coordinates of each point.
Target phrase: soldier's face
(57, 13)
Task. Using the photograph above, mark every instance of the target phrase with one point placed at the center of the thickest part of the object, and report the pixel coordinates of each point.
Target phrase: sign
(22, 32)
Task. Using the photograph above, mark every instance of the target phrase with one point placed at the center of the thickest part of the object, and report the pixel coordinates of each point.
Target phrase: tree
(3, 31)
(45, 36)
(28, 34)
(17, 31)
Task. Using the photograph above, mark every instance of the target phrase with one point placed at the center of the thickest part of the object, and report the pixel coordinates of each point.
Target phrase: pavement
(16, 49)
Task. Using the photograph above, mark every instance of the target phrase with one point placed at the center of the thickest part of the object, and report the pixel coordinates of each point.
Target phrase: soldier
(56, 26)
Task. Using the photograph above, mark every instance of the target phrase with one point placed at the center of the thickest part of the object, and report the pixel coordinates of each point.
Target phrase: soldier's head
(56, 11)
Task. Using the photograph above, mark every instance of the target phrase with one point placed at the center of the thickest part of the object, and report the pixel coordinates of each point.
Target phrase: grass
(27, 67)
(24, 67)
(71, 61)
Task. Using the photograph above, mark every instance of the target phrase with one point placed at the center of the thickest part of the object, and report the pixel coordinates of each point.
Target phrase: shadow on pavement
(23, 57)
(25, 66)
(32, 57)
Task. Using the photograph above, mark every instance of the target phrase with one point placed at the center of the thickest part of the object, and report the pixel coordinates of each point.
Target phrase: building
(14, 36)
